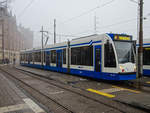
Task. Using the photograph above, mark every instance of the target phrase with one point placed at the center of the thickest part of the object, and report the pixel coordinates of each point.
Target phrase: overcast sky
(76, 17)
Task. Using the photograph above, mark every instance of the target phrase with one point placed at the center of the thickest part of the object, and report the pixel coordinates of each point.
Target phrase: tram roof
(112, 35)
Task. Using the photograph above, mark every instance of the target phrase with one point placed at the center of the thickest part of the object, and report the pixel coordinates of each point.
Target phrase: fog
(76, 18)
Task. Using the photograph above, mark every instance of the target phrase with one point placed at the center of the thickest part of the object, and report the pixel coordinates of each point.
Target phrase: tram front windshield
(125, 51)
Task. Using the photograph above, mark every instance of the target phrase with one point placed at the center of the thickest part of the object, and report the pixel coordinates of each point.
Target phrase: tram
(146, 57)
(107, 56)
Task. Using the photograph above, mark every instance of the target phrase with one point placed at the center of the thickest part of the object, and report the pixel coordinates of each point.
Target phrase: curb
(136, 105)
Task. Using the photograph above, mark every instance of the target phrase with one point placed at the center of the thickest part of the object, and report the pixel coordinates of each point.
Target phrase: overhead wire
(23, 11)
(83, 32)
(118, 23)
(84, 13)
(114, 24)
(64, 35)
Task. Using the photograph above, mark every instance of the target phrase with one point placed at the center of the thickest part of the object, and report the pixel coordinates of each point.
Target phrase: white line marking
(33, 105)
(56, 92)
(111, 90)
(13, 108)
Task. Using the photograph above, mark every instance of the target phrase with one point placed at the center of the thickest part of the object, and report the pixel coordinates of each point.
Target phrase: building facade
(13, 38)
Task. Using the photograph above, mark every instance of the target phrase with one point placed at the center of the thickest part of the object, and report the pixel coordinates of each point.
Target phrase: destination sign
(122, 38)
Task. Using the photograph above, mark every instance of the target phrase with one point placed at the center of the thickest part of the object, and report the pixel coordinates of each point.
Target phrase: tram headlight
(122, 69)
(135, 68)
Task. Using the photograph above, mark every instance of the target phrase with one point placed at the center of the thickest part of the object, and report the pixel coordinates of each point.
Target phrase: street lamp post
(140, 48)
(42, 40)
(140, 39)
(2, 35)
(3, 42)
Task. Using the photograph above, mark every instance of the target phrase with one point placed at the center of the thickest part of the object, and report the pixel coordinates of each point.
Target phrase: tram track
(125, 84)
(37, 91)
(49, 81)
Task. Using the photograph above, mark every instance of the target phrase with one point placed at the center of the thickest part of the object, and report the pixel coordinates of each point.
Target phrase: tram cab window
(53, 56)
(110, 60)
(146, 56)
(125, 51)
(64, 56)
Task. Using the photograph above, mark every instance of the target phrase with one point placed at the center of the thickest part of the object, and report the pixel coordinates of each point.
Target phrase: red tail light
(123, 70)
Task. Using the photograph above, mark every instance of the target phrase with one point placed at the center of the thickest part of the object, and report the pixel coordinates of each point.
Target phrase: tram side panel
(82, 60)
(146, 60)
(146, 57)
(32, 59)
(92, 58)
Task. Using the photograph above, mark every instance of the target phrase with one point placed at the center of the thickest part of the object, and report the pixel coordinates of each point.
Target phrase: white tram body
(108, 56)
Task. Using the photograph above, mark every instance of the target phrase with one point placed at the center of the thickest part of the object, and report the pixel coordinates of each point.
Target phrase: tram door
(59, 59)
(98, 58)
(47, 57)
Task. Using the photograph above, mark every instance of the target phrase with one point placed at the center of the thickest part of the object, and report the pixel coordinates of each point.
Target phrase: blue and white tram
(107, 56)
(146, 57)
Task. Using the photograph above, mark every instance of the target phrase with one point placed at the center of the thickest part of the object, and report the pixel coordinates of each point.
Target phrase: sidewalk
(13, 100)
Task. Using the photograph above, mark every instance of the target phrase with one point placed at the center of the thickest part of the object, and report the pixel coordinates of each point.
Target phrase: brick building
(13, 38)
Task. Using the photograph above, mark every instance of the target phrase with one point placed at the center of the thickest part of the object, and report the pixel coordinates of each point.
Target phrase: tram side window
(21, 57)
(30, 57)
(87, 55)
(146, 56)
(53, 56)
(110, 60)
(37, 57)
(76, 56)
(44, 56)
(33, 56)
(82, 56)
(64, 56)
(47, 58)
(26, 57)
